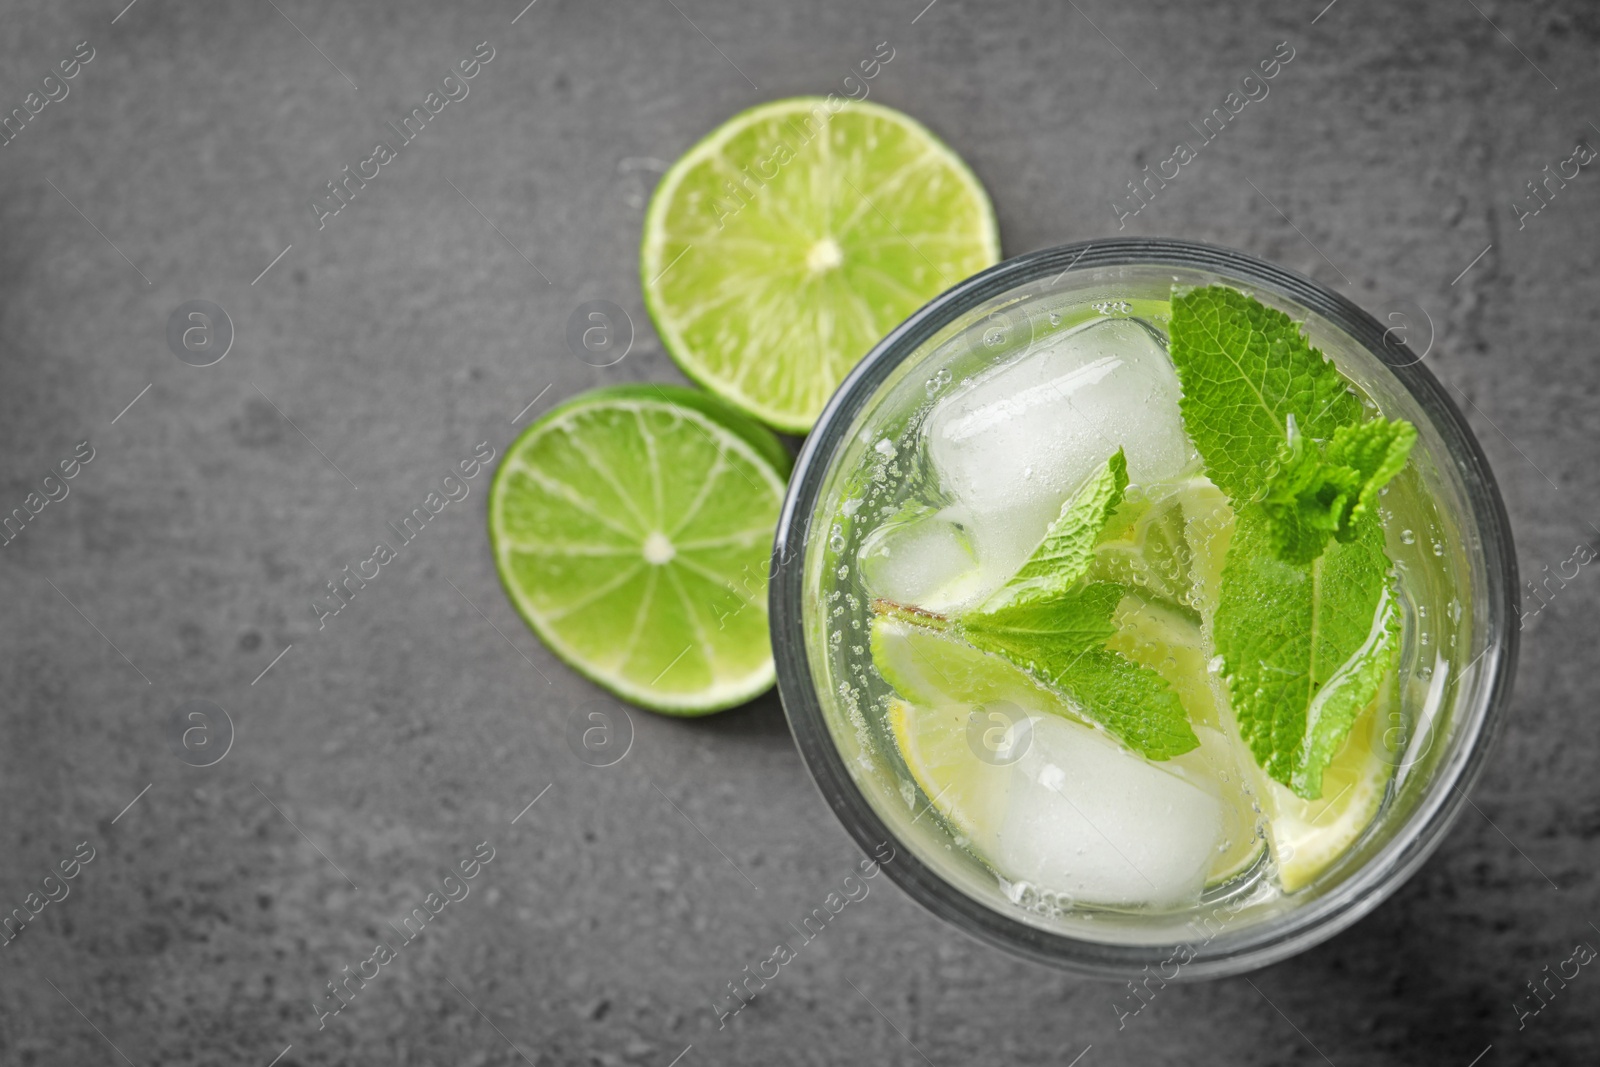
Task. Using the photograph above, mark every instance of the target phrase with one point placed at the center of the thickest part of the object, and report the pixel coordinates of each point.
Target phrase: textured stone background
(420, 722)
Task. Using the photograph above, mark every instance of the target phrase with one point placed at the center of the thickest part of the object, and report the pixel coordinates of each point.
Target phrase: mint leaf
(1306, 622)
(1046, 635)
(1306, 501)
(1060, 643)
(1051, 623)
(1054, 625)
(1132, 702)
(1376, 450)
(1316, 495)
(1245, 368)
(1064, 555)
(1305, 646)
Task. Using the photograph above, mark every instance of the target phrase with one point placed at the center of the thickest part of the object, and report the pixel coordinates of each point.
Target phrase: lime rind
(549, 536)
(847, 310)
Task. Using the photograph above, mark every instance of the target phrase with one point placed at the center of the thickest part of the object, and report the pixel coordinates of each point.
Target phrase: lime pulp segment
(632, 528)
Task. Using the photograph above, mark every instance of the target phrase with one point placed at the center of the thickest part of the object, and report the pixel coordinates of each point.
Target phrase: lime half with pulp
(632, 527)
(785, 244)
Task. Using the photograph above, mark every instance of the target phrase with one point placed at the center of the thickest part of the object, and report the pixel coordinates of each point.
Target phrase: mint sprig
(1053, 624)
(1321, 493)
(1060, 642)
(1306, 622)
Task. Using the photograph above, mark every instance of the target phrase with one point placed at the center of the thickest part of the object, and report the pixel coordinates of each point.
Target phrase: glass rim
(1443, 798)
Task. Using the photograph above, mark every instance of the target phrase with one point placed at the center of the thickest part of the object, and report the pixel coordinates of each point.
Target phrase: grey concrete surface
(379, 350)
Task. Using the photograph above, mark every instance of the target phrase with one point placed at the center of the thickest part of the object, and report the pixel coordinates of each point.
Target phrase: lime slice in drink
(1221, 767)
(785, 244)
(930, 668)
(976, 769)
(1144, 545)
(944, 682)
(1163, 637)
(1208, 528)
(632, 527)
(934, 742)
(1307, 836)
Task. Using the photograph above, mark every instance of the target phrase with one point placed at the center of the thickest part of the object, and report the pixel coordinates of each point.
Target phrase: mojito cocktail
(1137, 596)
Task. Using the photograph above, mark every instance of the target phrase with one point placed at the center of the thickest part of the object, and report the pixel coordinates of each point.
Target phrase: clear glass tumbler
(1457, 659)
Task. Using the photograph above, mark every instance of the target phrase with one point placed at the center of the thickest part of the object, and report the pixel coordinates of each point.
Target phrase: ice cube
(1014, 443)
(924, 560)
(1088, 818)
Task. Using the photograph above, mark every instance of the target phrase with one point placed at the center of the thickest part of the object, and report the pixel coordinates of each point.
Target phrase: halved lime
(785, 244)
(632, 527)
